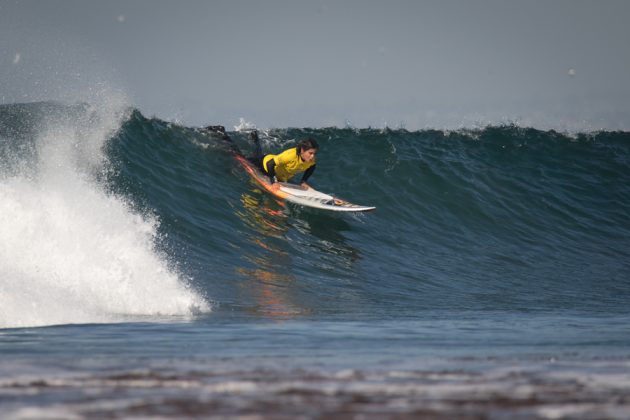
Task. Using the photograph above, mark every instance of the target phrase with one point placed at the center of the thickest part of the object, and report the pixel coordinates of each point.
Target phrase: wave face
(128, 215)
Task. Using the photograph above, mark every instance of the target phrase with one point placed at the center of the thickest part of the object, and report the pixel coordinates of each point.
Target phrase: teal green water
(140, 263)
(500, 219)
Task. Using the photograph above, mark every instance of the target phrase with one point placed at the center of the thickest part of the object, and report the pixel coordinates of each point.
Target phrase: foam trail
(70, 251)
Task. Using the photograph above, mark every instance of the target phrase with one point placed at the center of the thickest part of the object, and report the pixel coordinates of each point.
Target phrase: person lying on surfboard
(287, 164)
(290, 162)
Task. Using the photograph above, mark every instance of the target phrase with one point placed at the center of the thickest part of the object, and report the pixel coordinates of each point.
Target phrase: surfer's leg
(257, 147)
(219, 130)
(257, 159)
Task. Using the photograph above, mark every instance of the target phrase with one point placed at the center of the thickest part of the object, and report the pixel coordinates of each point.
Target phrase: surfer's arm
(307, 174)
(271, 171)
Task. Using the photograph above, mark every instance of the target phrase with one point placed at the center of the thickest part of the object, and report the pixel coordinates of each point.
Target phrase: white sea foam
(244, 125)
(70, 252)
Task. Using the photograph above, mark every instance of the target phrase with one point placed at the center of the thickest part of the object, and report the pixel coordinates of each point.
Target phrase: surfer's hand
(275, 187)
(305, 185)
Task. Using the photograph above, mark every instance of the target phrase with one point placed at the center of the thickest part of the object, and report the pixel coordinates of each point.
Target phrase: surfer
(283, 166)
(287, 164)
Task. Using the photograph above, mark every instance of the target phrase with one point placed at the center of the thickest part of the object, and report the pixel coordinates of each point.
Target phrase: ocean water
(142, 274)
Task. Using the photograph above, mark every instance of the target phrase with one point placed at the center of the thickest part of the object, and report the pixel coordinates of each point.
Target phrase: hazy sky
(443, 64)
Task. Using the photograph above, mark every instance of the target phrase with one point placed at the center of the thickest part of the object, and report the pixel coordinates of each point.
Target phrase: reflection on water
(269, 279)
(265, 216)
(286, 237)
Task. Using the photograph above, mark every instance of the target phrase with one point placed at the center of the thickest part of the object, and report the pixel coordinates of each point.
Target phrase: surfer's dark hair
(307, 144)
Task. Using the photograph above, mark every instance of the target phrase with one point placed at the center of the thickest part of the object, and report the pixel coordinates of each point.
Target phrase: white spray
(70, 252)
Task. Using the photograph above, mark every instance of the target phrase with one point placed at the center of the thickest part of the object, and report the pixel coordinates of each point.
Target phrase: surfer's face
(308, 155)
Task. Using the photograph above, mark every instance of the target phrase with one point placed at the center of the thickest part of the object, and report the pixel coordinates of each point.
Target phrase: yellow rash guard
(288, 163)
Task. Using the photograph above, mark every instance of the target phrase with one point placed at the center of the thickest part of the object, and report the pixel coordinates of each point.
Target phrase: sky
(561, 64)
